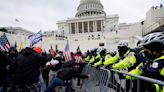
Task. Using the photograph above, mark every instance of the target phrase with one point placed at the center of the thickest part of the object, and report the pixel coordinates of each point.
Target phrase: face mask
(122, 50)
(149, 56)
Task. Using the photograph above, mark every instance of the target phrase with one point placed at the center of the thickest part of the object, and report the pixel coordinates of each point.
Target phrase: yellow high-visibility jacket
(87, 59)
(127, 62)
(114, 59)
(100, 62)
(139, 69)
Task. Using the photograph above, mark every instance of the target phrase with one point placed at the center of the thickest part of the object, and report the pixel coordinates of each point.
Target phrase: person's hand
(48, 64)
(54, 62)
(109, 67)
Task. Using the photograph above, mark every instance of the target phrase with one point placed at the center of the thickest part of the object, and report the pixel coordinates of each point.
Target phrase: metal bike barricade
(98, 80)
(138, 85)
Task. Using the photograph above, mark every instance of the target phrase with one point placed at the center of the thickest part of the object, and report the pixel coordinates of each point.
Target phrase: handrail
(141, 77)
(106, 80)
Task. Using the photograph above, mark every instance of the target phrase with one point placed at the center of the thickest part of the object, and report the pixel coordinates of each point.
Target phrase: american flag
(67, 53)
(4, 42)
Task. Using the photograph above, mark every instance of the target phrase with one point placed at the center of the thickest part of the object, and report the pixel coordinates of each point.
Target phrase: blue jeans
(69, 84)
(43, 85)
(57, 82)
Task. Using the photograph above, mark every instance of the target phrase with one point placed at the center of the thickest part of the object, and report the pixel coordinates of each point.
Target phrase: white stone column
(82, 27)
(77, 27)
(88, 26)
(70, 29)
(95, 26)
(101, 25)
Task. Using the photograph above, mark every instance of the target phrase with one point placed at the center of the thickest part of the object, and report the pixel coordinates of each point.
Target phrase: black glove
(109, 67)
(98, 67)
(146, 64)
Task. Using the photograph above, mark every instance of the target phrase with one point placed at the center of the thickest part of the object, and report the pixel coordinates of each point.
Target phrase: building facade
(90, 17)
(91, 27)
(154, 19)
(18, 31)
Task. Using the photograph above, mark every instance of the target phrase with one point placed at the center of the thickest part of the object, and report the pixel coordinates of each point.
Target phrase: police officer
(153, 67)
(93, 55)
(104, 55)
(123, 51)
(132, 60)
(86, 56)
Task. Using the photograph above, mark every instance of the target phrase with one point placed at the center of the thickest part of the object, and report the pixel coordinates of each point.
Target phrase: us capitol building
(90, 17)
(92, 27)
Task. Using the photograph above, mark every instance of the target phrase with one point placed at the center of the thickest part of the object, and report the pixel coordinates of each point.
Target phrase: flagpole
(17, 22)
(68, 44)
(41, 40)
(25, 40)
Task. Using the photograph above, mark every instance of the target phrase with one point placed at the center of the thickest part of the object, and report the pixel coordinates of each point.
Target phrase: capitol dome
(90, 8)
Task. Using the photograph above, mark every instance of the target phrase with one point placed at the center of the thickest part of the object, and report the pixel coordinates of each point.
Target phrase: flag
(15, 45)
(67, 53)
(1, 48)
(51, 47)
(35, 38)
(20, 47)
(16, 20)
(78, 49)
(4, 42)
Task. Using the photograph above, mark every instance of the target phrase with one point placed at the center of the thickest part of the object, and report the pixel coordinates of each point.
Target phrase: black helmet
(102, 51)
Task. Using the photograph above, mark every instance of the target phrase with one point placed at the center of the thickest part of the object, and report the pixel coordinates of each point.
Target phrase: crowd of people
(22, 71)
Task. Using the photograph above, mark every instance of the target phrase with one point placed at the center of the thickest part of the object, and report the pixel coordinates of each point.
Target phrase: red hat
(38, 50)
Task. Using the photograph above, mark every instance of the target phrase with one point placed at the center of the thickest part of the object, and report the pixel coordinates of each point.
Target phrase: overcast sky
(35, 15)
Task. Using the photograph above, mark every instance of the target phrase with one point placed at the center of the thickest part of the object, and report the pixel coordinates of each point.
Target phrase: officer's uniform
(150, 69)
(102, 59)
(116, 58)
(131, 61)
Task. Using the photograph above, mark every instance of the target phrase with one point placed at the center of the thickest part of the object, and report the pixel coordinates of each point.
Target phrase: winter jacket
(26, 69)
(3, 63)
(68, 70)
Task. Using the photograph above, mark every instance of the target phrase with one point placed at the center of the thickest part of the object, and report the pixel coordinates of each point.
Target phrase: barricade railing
(137, 84)
(104, 80)
(98, 79)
